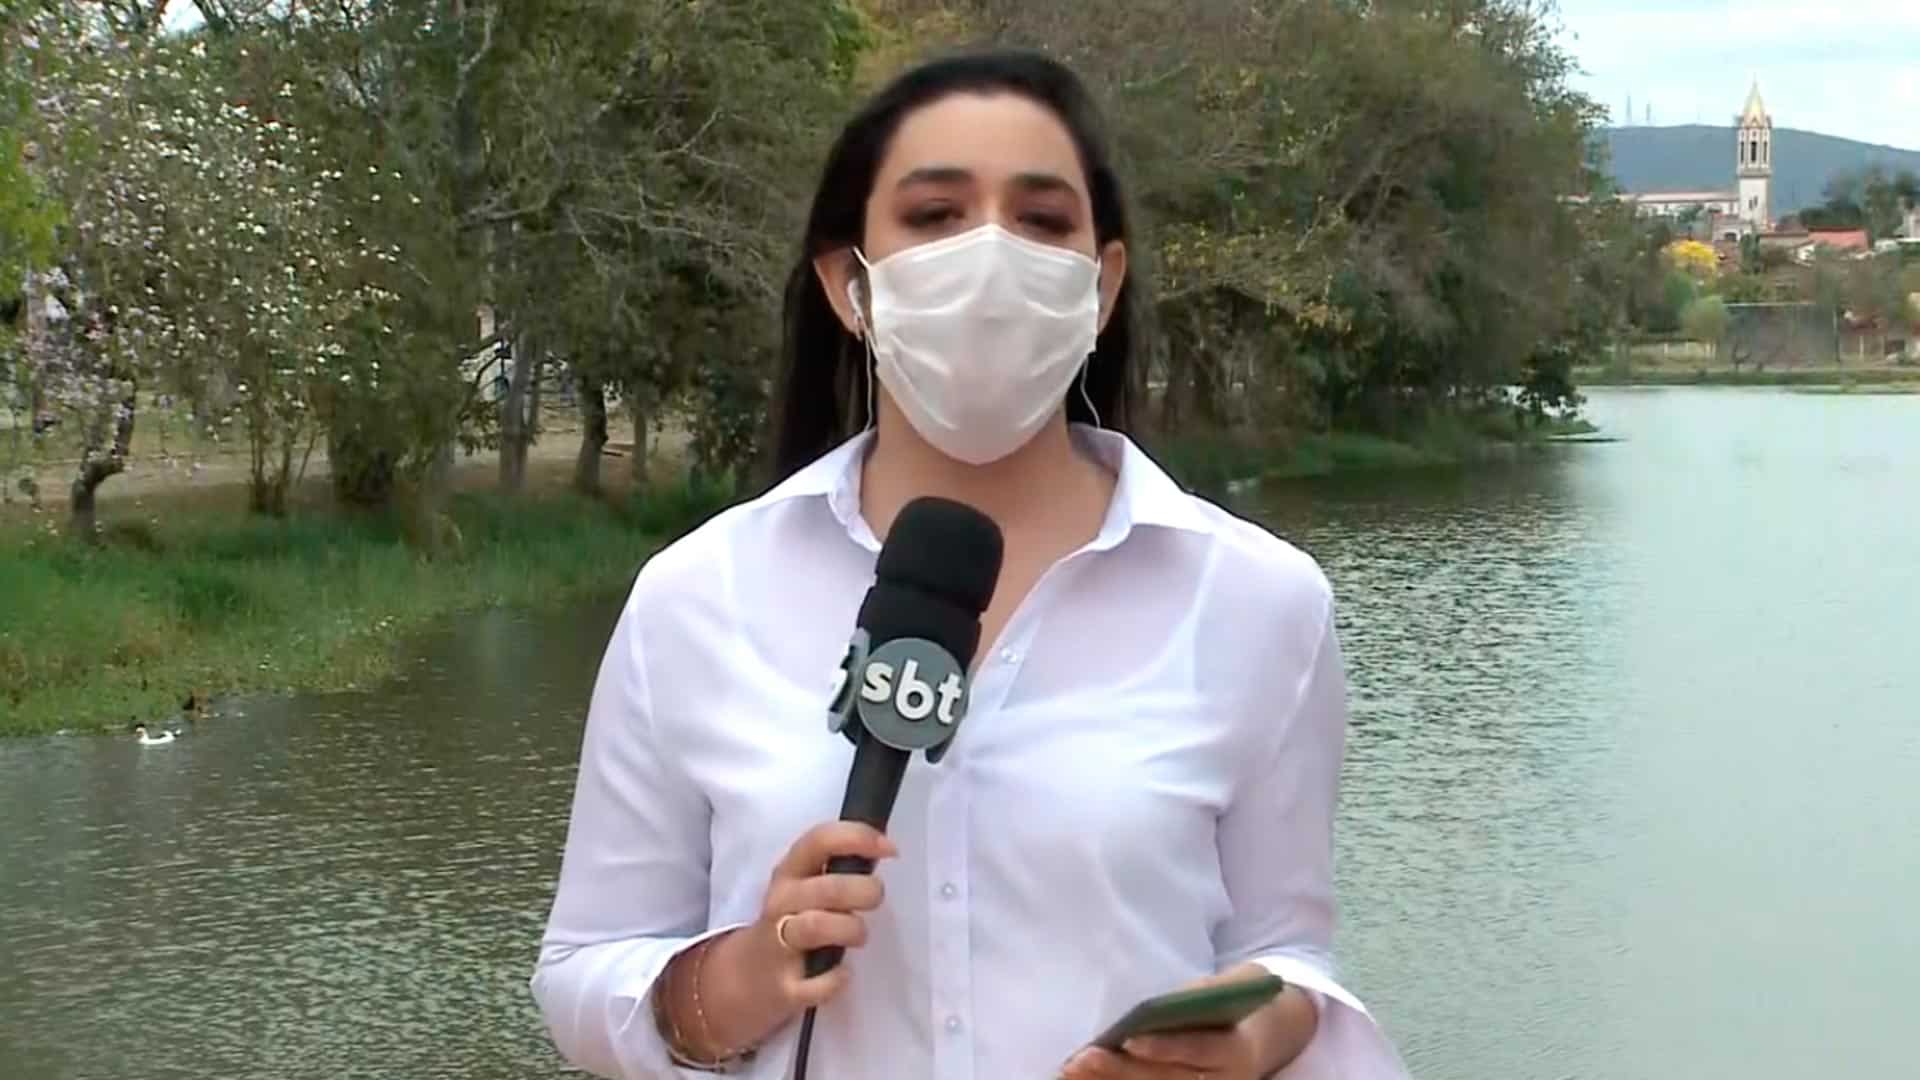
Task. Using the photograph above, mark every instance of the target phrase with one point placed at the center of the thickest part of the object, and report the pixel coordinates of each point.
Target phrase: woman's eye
(926, 217)
(1052, 224)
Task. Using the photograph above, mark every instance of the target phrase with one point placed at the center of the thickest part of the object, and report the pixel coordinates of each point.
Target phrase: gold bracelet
(677, 1048)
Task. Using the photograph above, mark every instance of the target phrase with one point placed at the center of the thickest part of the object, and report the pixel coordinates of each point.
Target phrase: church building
(1755, 139)
(1746, 209)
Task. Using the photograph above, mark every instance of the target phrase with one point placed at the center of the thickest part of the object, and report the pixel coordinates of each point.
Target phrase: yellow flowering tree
(1693, 258)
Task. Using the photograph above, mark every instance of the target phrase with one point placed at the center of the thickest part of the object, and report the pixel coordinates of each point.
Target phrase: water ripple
(1632, 737)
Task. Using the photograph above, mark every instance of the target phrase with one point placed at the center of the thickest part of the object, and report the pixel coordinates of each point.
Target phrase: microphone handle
(872, 786)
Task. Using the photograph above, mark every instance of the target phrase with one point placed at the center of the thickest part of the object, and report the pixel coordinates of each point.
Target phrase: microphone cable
(806, 1044)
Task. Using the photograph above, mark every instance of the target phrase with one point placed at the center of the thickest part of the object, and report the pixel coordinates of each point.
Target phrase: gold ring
(780, 932)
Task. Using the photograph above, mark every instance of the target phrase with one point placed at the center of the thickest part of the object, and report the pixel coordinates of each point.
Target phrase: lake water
(1633, 791)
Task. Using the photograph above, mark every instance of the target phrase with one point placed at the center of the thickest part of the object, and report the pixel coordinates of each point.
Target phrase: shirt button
(1008, 656)
(949, 891)
(953, 1023)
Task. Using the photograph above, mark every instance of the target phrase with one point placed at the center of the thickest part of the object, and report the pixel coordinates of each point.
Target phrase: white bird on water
(148, 739)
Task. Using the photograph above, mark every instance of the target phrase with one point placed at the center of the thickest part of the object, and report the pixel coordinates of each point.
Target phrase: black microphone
(903, 683)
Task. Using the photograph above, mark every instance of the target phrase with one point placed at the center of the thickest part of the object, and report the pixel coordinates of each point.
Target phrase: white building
(1755, 141)
(1676, 203)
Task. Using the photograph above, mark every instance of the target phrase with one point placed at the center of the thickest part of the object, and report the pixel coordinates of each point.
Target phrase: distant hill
(1696, 157)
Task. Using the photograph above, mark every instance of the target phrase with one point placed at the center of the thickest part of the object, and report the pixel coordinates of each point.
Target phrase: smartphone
(1207, 1008)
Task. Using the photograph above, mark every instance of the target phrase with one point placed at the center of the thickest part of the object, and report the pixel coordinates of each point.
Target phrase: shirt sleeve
(1276, 854)
(633, 890)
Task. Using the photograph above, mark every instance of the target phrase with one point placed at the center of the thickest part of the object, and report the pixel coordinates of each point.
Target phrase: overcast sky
(1841, 67)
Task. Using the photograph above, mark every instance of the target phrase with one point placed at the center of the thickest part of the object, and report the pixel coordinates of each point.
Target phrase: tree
(1752, 288)
(1677, 291)
(84, 355)
(1906, 187)
(1697, 260)
(29, 220)
(1707, 320)
(1374, 227)
(1871, 198)
(1875, 293)
(1884, 199)
(671, 240)
(28, 216)
(586, 156)
(219, 269)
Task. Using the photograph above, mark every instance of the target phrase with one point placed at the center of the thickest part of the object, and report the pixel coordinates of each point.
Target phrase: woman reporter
(1142, 797)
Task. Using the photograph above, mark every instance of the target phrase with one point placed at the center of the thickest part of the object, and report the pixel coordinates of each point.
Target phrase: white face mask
(978, 337)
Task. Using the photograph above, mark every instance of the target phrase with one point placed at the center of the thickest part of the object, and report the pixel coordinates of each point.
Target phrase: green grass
(1789, 377)
(1211, 462)
(1353, 451)
(212, 602)
(1851, 389)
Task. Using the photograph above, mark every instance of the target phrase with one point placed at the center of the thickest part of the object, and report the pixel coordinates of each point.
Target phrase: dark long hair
(823, 395)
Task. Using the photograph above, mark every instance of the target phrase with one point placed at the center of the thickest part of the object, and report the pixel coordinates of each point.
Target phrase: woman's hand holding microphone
(727, 995)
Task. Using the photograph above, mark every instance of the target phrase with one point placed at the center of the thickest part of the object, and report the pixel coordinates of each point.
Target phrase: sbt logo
(913, 697)
(901, 685)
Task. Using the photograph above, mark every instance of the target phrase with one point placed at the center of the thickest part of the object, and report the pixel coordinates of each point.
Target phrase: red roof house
(1848, 240)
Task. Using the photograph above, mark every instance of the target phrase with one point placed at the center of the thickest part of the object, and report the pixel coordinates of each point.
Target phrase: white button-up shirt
(1142, 791)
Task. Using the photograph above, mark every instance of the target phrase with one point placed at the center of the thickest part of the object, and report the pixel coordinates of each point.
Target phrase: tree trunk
(1171, 396)
(1176, 398)
(440, 479)
(362, 471)
(259, 484)
(1138, 393)
(516, 433)
(283, 480)
(641, 414)
(532, 428)
(1207, 388)
(593, 435)
(83, 521)
(267, 488)
(468, 181)
(428, 527)
(33, 388)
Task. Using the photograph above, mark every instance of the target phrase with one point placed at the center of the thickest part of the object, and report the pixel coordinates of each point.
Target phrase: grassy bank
(211, 602)
(1897, 377)
(1213, 462)
(191, 597)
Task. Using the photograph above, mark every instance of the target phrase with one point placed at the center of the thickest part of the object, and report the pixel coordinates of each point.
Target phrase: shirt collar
(1143, 493)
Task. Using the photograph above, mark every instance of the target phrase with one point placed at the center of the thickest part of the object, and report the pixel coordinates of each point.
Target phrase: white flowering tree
(28, 219)
(270, 286)
(79, 373)
(212, 260)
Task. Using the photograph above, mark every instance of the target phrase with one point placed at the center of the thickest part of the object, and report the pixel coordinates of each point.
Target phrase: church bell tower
(1755, 162)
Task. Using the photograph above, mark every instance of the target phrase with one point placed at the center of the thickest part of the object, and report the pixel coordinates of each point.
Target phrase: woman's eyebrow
(935, 174)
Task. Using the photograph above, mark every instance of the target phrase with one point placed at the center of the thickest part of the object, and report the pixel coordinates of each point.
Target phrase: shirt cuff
(1347, 1044)
(598, 1002)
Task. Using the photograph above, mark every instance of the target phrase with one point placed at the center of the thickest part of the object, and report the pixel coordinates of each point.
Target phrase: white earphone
(857, 294)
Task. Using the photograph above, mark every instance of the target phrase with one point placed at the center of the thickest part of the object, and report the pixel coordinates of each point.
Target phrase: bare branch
(468, 65)
(217, 17)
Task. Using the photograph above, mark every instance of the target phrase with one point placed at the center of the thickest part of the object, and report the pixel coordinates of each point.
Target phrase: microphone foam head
(944, 548)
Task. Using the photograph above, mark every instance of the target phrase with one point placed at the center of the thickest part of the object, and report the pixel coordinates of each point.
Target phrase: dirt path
(168, 469)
